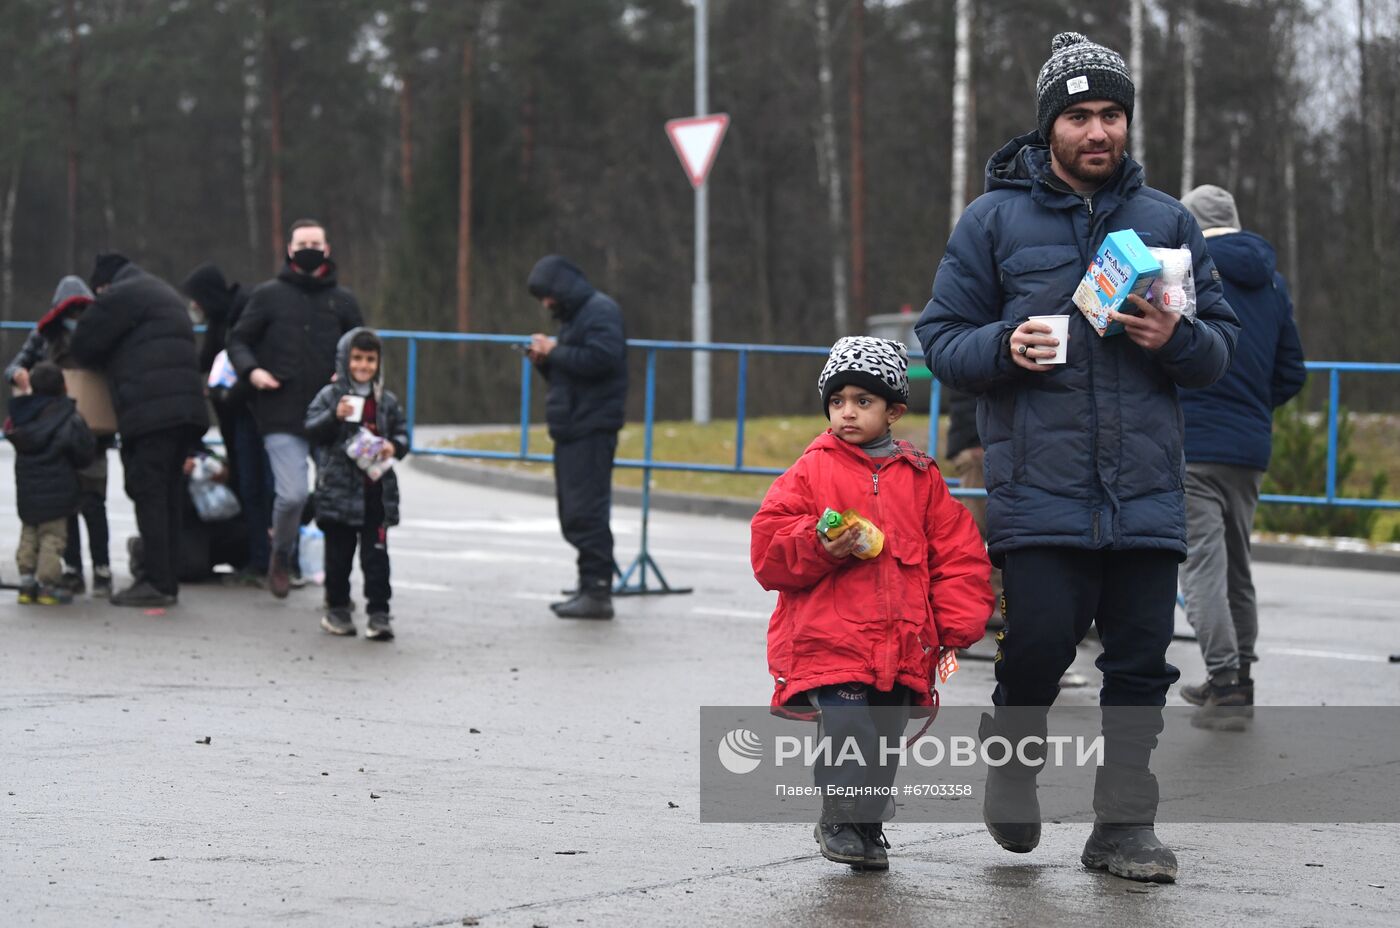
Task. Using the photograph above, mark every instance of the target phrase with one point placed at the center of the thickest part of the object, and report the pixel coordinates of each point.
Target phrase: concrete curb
(1265, 552)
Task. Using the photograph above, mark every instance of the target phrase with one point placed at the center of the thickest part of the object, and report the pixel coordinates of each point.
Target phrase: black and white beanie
(875, 364)
(1080, 70)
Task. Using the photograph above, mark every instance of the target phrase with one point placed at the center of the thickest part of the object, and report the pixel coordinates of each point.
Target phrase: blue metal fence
(744, 353)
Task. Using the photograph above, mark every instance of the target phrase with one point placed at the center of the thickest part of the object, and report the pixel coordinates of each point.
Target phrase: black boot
(876, 844)
(1226, 707)
(1123, 841)
(840, 838)
(1010, 808)
(592, 601)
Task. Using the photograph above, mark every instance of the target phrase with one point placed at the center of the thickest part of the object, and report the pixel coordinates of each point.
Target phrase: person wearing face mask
(138, 333)
(48, 341)
(284, 346)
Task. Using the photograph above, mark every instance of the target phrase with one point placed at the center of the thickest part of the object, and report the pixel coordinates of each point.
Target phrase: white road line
(421, 587)
(539, 597)
(478, 557)
(1332, 655)
(730, 613)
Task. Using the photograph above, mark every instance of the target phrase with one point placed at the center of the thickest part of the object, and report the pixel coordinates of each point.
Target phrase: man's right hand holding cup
(1031, 340)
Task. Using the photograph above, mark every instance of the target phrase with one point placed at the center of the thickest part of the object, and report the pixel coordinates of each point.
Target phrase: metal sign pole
(700, 293)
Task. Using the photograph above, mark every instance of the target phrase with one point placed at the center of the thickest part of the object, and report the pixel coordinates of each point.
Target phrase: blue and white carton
(1122, 266)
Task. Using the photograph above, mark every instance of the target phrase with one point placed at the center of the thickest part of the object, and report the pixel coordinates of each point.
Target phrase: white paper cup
(1059, 327)
(357, 410)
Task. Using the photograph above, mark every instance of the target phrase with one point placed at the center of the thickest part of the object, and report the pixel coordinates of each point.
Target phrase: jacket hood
(34, 419)
(324, 277)
(207, 287)
(558, 277)
(1024, 163)
(342, 363)
(71, 292)
(1244, 259)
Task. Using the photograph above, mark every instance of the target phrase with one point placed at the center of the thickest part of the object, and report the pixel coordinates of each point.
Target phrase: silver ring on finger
(1021, 350)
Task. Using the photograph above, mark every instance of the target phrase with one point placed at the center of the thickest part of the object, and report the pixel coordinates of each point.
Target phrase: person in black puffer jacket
(52, 443)
(586, 366)
(351, 506)
(139, 332)
(284, 347)
(250, 474)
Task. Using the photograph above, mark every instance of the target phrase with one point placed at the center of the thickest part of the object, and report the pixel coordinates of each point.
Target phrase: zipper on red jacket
(875, 481)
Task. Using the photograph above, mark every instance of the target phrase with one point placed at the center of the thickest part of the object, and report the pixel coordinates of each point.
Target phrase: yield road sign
(696, 141)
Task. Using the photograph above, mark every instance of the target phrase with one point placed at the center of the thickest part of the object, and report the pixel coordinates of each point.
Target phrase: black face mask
(309, 259)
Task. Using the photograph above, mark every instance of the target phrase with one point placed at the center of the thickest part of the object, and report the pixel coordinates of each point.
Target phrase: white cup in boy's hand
(351, 408)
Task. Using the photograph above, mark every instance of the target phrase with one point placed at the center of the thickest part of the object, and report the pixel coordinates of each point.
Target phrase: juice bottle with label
(834, 524)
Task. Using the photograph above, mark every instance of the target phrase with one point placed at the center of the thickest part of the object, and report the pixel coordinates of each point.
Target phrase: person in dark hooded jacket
(250, 474)
(284, 346)
(586, 366)
(1229, 438)
(139, 332)
(1085, 510)
(51, 444)
(352, 506)
(49, 340)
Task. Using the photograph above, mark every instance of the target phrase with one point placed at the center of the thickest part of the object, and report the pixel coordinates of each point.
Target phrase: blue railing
(743, 353)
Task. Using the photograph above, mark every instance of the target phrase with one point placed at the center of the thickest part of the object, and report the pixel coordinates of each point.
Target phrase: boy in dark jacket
(351, 505)
(51, 444)
(857, 640)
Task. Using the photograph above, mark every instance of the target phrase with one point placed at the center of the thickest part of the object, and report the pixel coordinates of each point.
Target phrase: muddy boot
(1010, 808)
(593, 601)
(1226, 702)
(1123, 841)
(840, 838)
(876, 845)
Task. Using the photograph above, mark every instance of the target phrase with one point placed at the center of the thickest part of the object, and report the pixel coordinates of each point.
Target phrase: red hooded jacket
(880, 621)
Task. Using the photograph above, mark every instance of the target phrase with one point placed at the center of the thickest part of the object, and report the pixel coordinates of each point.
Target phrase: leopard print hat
(876, 364)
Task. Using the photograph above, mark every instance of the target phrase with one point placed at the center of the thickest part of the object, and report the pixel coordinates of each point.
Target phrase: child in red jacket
(857, 640)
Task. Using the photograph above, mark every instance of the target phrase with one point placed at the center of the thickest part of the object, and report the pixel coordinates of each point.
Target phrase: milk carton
(1123, 265)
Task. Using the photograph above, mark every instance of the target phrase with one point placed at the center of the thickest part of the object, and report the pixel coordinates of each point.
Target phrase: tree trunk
(829, 167)
(7, 240)
(71, 99)
(1372, 220)
(858, 294)
(464, 198)
(1135, 64)
(1190, 31)
(962, 82)
(248, 147)
(1290, 218)
(406, 133)
(527, 131)
(274, 139)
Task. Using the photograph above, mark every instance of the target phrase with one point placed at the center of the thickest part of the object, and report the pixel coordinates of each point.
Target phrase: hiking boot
(876, 845)
(279, 581)
(1226, 708)
(1010, 809)
(588, 605)
(337, 621)
(142, 594)
(102, 582)
(28, 590)
(379, 627)
(53, 595)
(1130, 851)
(840, 839)
(1196, 695)
(72, 581)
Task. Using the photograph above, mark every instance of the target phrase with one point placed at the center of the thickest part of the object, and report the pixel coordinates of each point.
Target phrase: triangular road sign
(696, 141)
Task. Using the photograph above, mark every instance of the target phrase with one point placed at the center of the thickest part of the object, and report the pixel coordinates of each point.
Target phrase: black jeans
(583, 490)
(92, 506)
(154, 472)
(373, 541)
(846, 714)
(1052, 597)
(253, 483)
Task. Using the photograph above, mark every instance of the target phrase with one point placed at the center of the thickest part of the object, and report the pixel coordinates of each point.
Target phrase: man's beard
(1067, 157)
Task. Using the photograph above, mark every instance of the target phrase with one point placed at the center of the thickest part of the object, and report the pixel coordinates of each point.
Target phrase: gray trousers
(288, 455)
(1216, 578)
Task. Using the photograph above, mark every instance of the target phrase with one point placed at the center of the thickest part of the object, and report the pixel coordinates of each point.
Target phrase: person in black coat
(284, 347)
(51, 444)
(586, 366)
(250, 474)
(139, 332)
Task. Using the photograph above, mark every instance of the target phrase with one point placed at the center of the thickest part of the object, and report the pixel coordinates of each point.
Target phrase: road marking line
(729, 613)
(1335, 655)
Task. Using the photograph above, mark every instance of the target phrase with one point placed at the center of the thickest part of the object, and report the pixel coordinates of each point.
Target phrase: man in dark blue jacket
(1229, 437)
(1084, 468)
(586, 366)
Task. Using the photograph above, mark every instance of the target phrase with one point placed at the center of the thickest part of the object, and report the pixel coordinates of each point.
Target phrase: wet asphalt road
(497, 763)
